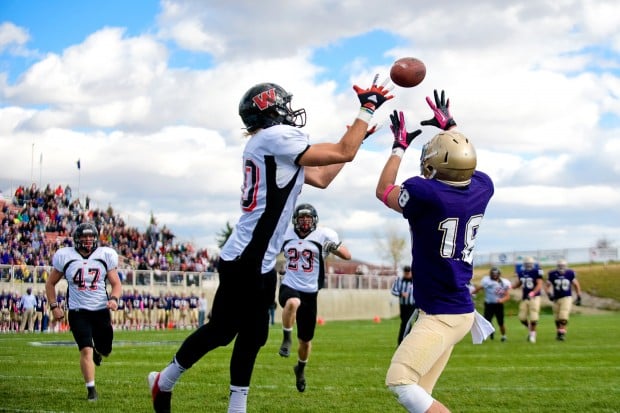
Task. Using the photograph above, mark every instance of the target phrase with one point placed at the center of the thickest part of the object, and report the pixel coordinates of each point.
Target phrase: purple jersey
(562, 282)
(160, 302)
(4, 301)
(444, 221)
(193, 301)
(137, 302)
(41, 302)
(528, 280)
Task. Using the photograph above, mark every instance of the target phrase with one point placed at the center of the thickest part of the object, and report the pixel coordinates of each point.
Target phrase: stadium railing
(20, 277)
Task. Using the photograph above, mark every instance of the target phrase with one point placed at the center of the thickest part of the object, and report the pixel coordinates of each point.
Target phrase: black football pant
(240, 309)
(92, 328)
(494, 310)
(405, 315)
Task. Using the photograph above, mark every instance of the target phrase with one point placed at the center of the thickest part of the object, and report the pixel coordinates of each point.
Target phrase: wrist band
(365, 114)
(386, 193)
(112, 298)
(398, 151)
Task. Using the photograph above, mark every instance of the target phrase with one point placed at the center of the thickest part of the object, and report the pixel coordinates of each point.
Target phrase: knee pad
(413, 397)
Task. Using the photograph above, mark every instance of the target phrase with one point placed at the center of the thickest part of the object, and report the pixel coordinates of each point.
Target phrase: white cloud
(158, 138)
(597, 196)
(13, 38)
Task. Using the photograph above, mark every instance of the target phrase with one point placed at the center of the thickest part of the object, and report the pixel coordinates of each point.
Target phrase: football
(408, 72)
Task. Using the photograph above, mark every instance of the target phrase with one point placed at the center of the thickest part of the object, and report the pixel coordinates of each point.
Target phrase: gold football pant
(424, 352)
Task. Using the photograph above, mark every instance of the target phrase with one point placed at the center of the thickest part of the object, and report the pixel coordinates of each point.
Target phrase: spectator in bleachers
(19, 195)
(35, 213)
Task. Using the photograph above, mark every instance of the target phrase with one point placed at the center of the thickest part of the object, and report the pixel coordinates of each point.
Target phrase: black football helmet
(82, 238)
(268, 104)
(301, 211)
(495, 273)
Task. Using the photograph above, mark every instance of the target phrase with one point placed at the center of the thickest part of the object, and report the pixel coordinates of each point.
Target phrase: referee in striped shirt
(403, 289)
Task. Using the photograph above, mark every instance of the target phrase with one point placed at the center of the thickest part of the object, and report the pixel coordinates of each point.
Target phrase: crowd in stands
(37, 221)
(136, 311)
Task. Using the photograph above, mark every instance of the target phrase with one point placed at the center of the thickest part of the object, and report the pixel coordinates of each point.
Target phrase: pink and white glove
(402, 138)
(441, 110)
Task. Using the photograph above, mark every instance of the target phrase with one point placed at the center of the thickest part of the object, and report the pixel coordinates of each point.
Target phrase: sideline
(120, 343)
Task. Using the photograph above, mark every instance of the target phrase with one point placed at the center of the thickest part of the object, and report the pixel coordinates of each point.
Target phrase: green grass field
(345, 374)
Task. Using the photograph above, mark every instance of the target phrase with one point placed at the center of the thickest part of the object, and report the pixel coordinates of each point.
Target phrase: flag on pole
(78, 164)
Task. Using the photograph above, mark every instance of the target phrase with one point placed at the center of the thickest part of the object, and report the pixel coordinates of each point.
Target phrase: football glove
(370, 130)
(331, 246)
(578, 300)
(441, 110)
(402, 138)
(373, 97)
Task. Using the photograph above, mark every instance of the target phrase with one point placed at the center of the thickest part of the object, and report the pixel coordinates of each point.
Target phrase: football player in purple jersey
(277, 160)
(161, 303)
(530, 278)
(5, 311)
(444, 208)
(87, 268)
(40, 310)
(193, 309)
(559, 287)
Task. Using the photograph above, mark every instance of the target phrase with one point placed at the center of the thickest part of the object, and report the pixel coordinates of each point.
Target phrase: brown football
(408, 72)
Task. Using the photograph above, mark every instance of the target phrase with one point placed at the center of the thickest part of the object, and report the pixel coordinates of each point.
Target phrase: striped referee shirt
(400, 286)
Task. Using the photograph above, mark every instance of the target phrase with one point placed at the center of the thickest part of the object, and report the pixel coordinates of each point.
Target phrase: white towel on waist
(481, 329)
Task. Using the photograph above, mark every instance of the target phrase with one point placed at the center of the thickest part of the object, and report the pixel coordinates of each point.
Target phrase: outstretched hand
(374, 128)
(441, 111)
(402, 138)
(331, 246)
(374, 96)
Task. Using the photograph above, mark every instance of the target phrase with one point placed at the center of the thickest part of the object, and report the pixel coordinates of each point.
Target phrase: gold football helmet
(528, 263)
(449, 156)
(562, 265)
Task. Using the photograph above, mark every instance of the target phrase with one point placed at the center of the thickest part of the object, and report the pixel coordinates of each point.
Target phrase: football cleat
(92, 394)
(285, 348)
(161, 399)
(300, 379)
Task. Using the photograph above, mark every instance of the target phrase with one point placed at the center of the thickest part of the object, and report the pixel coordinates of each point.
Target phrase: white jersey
(271, 177)
(86, 277)
(494, 289)
(305, 258)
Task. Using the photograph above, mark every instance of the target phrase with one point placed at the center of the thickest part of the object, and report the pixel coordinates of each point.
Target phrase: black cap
(407, 268)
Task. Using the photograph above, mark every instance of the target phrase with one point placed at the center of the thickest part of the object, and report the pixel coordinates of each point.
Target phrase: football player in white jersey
(496, 293)
(87, 267)
(305, 248)
(277, 160)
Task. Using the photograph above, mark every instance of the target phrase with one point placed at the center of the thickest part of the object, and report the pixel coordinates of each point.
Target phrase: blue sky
(145, 93)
